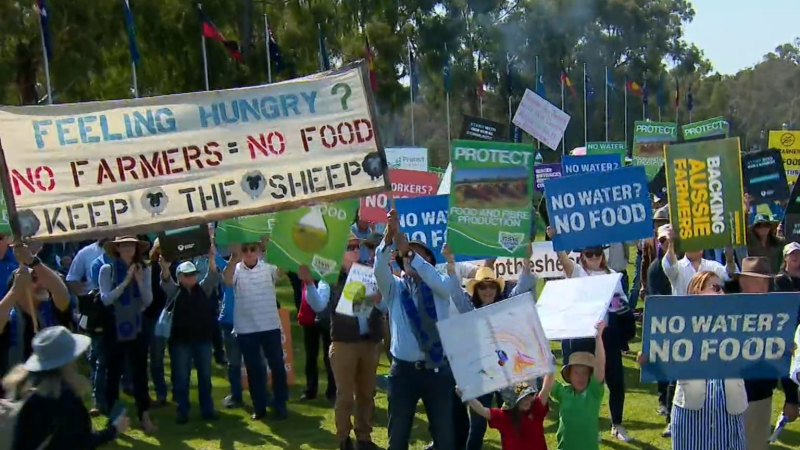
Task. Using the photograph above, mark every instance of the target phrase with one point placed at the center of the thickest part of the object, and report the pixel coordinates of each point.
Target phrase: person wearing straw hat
(53, 415)
(762, 240)
(36, 298)
(126, 284)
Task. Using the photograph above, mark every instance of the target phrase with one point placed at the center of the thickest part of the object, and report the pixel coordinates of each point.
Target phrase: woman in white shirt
(708, 414)
(621, 328)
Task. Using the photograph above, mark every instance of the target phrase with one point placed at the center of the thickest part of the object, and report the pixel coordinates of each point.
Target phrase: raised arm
(547, 387)
(230, 269)
(563, 258)
(527, 280)
(22, 283)
(480, 409)
(318, 296)
(383, 255)
(670, 261)
(47, 277)
(457, 294)
(599, 354)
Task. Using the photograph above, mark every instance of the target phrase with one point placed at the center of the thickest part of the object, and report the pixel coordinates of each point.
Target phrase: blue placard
(425, 219)
(599, 208)
(576, 165)
(704, 337)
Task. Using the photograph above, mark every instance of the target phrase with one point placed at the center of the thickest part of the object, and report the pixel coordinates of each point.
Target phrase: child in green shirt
(580, 397)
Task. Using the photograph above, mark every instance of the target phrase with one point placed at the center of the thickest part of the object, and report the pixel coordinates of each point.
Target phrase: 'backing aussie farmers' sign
(490, 198)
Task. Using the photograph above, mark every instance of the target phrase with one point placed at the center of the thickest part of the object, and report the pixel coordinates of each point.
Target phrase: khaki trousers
(354, 365)
(757, 424)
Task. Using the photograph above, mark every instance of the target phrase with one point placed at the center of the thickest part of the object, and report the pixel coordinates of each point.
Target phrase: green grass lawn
(311, 425)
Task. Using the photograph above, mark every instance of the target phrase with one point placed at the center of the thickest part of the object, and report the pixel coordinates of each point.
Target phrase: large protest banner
(788, 142)
(496, 346)
(407, 158)
(764, 177)
(576, 165)
(242, 230)
(405, 183)
(147, 164)
(541, 119)
(543, 172)
(424, 219)
(704, 181)
(314, 236)
(705, 337)
(649, 139)
(478, 128)
(572, 308)
(490, 198)
(606, 147)
(599, 208)
(705, 129)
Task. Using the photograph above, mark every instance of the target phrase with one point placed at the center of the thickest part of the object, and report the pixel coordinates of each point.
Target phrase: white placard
(541, 119)
(358, 287)
(571, 308)
(496, 346)
(544, 263)
(148, 164)
(407, 158)
(444, 185)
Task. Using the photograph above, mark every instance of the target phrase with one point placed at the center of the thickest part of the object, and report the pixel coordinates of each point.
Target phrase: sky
(735, 34)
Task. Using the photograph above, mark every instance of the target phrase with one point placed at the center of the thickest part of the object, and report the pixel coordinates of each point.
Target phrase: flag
(210, 31)
(590, 92)
(479, 89)
(412, 74)
(645, 94)
(633, 87)
(540, 86)
(689, 99)
(511, 77)
(131, 33)
(275, 57)
(324, 61)
(373, 80)
(609, 82)
(677, 95)
(446, 72)
(568, 83)
(41, 9)
(661, 97)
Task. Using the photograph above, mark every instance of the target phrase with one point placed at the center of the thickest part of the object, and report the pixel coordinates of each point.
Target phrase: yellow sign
(788, 142)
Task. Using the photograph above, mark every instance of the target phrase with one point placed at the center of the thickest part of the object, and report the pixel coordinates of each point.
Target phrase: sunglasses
(717, 288)
(352, 248)
(484, 286)
(593, 254)
(249, 249)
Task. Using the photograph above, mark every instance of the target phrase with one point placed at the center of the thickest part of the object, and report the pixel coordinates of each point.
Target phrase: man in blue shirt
(419, 370)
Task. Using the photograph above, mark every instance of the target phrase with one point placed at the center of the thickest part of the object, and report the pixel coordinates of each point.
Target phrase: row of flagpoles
(210, 31)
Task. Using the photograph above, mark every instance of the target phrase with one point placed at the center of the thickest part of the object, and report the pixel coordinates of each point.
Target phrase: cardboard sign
(490, 198)
(184, 243)
(764, 177)
(148, 164)
(407, 158)
(314, 236)
(544, 263)
(244, 230)
(405, 184)
(649, 139)
(571, 308)
(541, 119)
(705, 194)
(497, 346)
(576, 165)
(788, 143)
(710, 128)
(424, 219)
(599, 208)
(360, 284)
(706, 337)
(477, 128)
(543, 172)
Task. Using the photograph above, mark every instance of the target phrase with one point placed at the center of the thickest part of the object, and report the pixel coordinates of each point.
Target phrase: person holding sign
(621, 328)
(680, 272)
(707, 414)
(416, 301)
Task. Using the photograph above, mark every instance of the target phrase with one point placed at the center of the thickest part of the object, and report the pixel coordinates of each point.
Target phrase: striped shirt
(709, 428)
(256, 304)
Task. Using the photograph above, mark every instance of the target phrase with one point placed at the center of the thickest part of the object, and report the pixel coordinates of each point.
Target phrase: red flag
(634, 87)
(210, 31)
(373, 79)
(568, 83)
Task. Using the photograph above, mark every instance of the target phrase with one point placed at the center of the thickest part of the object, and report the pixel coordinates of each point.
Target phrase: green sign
(649, 139)
(717, 126)
(5, 226)
(313, 236)
(243, 230)
(704, 183)
(490, 198)
(604, 148)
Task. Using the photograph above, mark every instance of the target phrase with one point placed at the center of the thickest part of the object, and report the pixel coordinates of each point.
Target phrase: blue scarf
(128, 307)
(423, 324)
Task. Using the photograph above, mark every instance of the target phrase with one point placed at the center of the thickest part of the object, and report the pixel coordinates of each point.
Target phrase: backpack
(9, 411)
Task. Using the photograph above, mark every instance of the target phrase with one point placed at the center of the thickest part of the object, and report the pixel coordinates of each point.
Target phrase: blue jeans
(251, 345)
(234, 360)
(156, 348)
(477, 424)
(181, 356)
(97, 364)
(407, 385)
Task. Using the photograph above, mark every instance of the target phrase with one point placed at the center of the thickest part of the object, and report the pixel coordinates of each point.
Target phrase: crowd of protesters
(110, 298)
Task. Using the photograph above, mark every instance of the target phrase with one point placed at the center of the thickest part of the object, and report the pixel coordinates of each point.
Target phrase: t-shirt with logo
(578, 414)
(528, 434)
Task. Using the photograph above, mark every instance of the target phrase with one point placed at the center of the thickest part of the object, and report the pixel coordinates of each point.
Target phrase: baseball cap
(790, 247)
(664, 231)
(186, 268)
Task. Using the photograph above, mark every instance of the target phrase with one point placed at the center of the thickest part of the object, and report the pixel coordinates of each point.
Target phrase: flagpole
(411, 89)
(447, 95)
(267, 39)
(46, 64)
(135, 80)
(585, 109)
(625, 90)
(205, 57)
(563, 147)
(536, 85)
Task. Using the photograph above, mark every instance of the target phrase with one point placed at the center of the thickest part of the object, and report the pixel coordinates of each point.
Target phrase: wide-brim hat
(484, 275)
(577, 359)
(761, 219)
(55, 347)
(520, 391)
(419, 248)
(755, 266)
(111, 247)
